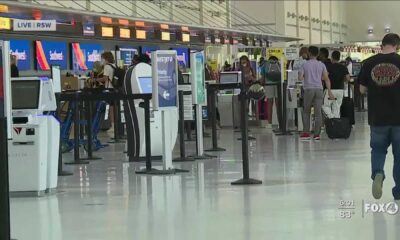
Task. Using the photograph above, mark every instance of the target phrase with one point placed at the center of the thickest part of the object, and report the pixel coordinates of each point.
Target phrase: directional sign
(198, 81)
(165, 79)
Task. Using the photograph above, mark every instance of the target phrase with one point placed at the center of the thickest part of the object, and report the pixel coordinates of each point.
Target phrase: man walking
(379, 76)
(338, 74)
(312, 73)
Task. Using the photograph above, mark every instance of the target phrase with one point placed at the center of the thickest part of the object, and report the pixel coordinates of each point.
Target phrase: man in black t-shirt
(338, 74)
(380, 76)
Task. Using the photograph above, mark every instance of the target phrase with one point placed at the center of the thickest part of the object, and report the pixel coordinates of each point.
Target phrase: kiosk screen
(29, 89)
(146, 84)
(229, 78)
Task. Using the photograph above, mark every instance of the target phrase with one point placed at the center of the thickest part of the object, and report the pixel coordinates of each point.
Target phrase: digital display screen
(165, 36)
(85, 54)
(107, 32)
(183, 56)
(22, 50)
(88, 29)
(127, 55)
(146, 84)
(49, 53)
(148, 50)
(124, 33)
(30, 89)
(185, 37)
(228, 78)
(140, 34)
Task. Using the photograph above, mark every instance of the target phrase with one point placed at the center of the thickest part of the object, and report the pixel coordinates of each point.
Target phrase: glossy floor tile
(303, 185)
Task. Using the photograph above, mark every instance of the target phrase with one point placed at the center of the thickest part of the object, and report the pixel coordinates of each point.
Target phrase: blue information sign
(166, 71)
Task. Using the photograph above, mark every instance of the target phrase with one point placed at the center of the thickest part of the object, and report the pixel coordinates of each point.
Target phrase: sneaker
(377, 186)
(305, 136)
(316, 138)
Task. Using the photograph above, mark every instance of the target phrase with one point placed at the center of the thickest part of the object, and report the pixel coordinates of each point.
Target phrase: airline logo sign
(34, 25)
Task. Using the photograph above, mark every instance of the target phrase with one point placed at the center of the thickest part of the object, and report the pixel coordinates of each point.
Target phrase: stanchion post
(4, 183)
(213, 115)
(147, 133)
(61, 172)
(182, 149)
(77, 159)
(246, 180)
(89, 130)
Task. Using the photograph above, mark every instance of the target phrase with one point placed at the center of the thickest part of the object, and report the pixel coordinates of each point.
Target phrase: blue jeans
(381, 139)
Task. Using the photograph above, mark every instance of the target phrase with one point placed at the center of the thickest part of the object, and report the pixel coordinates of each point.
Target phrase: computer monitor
(146, 84)
(230, 77)
(25, 94)
(56, 78)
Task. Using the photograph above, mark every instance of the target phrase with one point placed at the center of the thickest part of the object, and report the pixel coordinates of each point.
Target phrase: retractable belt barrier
(109, 95)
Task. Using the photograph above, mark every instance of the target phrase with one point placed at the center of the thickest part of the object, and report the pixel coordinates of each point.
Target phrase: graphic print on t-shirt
(385, 74)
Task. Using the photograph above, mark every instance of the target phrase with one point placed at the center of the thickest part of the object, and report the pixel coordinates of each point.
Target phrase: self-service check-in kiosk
(228, 100)
(34, 149)
(141, 82)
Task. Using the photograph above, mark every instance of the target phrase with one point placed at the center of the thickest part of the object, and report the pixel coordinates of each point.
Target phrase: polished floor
(303, 185)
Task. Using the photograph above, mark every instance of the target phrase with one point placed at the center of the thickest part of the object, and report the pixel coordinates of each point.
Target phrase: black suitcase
(338, 128)
(347, 108)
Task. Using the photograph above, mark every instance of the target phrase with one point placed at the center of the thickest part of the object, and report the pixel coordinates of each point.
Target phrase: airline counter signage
(34, 25)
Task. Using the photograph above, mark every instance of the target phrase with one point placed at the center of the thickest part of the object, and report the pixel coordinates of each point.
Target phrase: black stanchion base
(154, 171)
(248, 181)
(203, 157)
(177, 170)
(250, 138)
(116, 141)
(79, 162)
(288, 133)
(92, 158)
(184, 159)
(143, 159)
(64, 174)
(217, 149)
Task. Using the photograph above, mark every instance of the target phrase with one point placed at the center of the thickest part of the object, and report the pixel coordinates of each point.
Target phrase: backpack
(118, 77)
(273, 71)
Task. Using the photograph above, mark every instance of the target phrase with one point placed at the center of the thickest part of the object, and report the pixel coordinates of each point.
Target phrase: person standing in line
(107, 59)
(338, 74)
(14, 68)
(349, 65)
(380, 76)
(311, 74)
(324, 57)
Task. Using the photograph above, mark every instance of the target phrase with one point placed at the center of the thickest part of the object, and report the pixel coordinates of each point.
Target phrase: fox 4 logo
(390, 208)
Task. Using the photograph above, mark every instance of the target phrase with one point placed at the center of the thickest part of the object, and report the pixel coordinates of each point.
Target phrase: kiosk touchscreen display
(146, 84)
(226, 78)
(29, 89)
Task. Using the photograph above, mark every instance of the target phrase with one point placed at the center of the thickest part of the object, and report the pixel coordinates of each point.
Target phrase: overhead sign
(198, 78)
(291, 53)
(5, 23)
(165, 79)
(34, 25)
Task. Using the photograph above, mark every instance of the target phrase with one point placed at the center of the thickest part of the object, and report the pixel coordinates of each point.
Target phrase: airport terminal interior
(213, 119)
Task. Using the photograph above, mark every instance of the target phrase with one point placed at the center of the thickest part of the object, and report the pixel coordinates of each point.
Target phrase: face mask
(244, 64)
(103, 61)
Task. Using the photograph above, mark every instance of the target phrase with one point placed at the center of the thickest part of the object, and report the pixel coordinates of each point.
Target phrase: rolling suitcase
(338, 128)
(347, 108)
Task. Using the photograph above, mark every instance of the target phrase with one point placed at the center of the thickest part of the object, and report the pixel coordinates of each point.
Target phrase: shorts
(271, 91)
